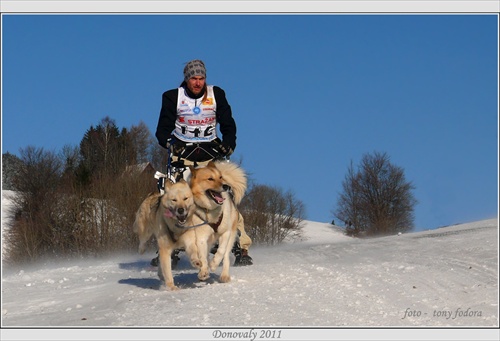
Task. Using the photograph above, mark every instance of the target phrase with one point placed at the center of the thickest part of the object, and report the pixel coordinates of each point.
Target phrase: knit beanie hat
(194, 68)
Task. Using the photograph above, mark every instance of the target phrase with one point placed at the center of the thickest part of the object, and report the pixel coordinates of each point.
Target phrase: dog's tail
(235, 177)
(142, 224)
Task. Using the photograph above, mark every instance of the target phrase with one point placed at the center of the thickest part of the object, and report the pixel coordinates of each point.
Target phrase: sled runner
(192, 154)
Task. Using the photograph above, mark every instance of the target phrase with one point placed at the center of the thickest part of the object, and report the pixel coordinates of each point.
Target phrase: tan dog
(170, 218)
(217, 190)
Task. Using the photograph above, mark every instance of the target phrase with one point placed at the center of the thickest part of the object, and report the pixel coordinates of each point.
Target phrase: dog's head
(207, 185)
(178, 202)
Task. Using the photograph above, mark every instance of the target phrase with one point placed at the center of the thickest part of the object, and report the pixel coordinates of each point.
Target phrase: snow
(446, 277)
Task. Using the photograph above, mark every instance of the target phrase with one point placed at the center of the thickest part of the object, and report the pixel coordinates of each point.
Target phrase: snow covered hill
(444, 277)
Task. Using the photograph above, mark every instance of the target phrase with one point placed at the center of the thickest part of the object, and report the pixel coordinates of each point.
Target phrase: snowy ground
(442, 278)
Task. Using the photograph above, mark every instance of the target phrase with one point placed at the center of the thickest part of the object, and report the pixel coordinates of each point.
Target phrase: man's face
(196, 84)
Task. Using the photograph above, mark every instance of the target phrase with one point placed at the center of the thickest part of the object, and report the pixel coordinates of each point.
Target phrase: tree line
(82, 200)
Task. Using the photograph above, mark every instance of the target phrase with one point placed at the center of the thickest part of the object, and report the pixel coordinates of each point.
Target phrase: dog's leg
(204, 273)
(144, 235)
(165, 249)
(192, 246)
(203, 235)
(226, 241)
(203, 246)
(224, 276)
(221, 250)
(202, 250)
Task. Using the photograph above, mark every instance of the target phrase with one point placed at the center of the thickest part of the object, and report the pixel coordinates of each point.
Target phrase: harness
(215, 226)
(191, 227)
(171, 233)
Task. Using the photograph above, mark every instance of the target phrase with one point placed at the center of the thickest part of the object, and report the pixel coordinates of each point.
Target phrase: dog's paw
(203, 275)
(225, 278)
(172, 287)
(168, 286)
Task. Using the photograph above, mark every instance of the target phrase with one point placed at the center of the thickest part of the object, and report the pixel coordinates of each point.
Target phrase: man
(190, 113)
(187, 125)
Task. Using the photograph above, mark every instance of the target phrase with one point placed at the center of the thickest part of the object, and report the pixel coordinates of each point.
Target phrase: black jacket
(168, 116)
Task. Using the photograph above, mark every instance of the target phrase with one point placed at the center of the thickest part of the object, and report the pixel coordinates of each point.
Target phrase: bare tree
(104, 150)
(34, 229)
(376, 198)
(142, 141)
(271, 214)
(159, 157)
(10, 165)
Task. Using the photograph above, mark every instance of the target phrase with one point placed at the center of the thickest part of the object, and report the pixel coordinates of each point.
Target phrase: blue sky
(309, 93)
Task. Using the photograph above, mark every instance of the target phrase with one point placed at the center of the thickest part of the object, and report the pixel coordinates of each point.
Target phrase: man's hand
(225, 149)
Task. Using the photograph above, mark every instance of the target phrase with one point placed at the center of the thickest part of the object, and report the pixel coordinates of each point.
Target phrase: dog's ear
(211, 164)
(168, 183)
(193, 171)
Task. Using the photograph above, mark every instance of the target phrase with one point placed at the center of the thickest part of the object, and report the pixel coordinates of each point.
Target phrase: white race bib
(196, 120)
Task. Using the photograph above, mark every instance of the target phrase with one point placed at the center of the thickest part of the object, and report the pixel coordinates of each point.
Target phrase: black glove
(175, 145)
(225, 149)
